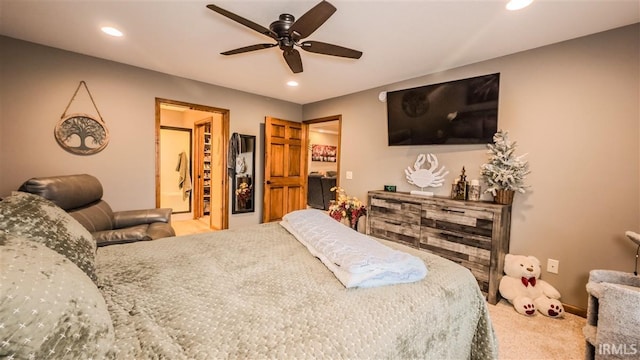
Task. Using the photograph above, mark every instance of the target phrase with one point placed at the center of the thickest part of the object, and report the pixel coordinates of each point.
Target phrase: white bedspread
(356, 259)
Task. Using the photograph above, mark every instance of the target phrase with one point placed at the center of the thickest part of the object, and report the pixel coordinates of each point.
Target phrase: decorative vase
(347, 222)
(504, 197)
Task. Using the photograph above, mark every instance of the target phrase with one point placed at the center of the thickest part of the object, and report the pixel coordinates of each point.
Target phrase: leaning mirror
(243, 181)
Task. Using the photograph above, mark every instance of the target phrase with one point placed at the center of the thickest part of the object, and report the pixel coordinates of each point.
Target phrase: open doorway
(323, 165)
(198, 175)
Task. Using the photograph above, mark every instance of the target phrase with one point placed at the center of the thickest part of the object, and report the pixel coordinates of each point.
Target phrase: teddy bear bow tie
(531, 280)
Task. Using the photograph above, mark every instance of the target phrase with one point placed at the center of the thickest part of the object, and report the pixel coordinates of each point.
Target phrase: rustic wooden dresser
(474, 234)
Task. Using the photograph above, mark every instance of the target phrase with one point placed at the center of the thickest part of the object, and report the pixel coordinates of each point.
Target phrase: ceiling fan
(288, 32)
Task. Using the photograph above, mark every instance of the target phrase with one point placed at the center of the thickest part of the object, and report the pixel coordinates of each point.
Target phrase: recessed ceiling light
(111, 31)
(518, 4)
(292, 83)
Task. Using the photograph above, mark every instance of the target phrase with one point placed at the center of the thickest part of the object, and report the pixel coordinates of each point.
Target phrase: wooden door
(202, 169)
(285, 162)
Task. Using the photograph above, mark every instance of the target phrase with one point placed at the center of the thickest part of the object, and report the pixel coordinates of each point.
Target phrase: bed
(255, 293)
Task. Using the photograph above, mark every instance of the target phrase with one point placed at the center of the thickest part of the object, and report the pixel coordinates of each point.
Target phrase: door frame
(337, 118)
(225, 135)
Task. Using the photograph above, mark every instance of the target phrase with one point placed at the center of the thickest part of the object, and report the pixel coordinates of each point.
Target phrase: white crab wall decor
(422, 178)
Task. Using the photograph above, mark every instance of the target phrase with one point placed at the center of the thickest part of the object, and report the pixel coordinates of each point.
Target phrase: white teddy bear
(522, 287)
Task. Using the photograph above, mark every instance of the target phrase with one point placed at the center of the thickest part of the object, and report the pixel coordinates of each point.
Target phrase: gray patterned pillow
(39, 219)
(49, 308)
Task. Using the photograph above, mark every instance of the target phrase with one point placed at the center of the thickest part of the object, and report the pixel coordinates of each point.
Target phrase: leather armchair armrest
(122, 219)
(122, 236)
(159, 230)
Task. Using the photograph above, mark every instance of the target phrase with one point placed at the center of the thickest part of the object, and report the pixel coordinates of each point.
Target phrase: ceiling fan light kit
(288, 32)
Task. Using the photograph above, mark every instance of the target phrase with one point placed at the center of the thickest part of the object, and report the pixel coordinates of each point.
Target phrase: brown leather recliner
(81, 196)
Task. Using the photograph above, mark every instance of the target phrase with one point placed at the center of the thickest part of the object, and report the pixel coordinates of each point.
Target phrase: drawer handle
(393, 223)
(454, 211)
(393, 201)
(451, 236)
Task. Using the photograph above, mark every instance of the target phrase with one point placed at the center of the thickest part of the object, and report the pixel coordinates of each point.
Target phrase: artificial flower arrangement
(346, 207)
(243, 192)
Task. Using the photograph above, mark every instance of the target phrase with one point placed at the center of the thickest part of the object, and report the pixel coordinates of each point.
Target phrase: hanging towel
(184, 181)
(234, 151)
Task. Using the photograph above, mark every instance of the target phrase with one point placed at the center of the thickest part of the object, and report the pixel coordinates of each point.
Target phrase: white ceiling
(400, 39)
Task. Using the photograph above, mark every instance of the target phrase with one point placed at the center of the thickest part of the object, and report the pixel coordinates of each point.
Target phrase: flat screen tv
(455, 112)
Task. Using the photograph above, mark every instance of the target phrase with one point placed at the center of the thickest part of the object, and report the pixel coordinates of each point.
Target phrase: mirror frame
(250, 204)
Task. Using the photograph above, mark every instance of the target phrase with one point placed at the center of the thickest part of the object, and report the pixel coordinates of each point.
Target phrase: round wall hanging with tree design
(81, 134)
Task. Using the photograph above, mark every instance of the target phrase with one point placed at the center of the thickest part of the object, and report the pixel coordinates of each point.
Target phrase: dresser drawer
(394, 220)
(460, 234)
(398, 231)
(460, 219)
(392, 209)
(472, 252)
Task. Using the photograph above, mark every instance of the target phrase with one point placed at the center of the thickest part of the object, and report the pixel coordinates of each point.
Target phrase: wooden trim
(226, 115)
(323, 119)
(575, 310)
(157, 135)
(198, 208)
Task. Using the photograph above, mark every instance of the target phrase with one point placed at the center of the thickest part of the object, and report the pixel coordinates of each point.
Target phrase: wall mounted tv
(455, 112)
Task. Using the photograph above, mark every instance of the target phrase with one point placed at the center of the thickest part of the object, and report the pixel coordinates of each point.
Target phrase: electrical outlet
(349, 175)
(553, 266)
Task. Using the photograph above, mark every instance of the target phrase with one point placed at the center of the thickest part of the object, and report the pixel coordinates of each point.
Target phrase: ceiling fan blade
(330, 49)
(239, 19)
(292, 57)
(248, 48)
(311, 20)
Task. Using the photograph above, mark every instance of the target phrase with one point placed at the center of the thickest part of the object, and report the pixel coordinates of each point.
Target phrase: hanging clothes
(234, 151)
(184, 181)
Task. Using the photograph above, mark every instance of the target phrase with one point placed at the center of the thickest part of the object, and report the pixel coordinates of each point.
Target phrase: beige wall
(36, 84)
(317, 138)
(574, 107)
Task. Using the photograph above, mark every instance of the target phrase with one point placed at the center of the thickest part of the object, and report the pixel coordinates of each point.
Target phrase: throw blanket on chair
(355, 259)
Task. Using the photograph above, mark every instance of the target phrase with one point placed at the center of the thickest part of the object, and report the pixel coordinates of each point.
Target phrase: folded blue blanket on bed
(355, 259)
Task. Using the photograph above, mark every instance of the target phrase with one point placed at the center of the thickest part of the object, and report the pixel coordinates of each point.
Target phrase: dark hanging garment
(234, 151)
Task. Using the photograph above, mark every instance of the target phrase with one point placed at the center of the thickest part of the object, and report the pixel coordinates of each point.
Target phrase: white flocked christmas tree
(505, 170)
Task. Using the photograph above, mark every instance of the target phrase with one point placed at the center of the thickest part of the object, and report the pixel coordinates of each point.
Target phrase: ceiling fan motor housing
(281, 27)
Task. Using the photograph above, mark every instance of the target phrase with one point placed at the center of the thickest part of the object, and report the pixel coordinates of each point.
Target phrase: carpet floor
(536, 337)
